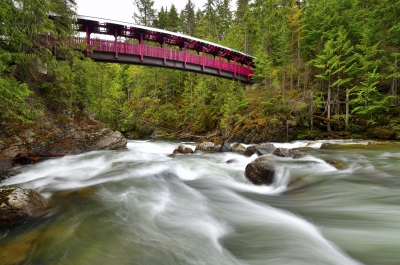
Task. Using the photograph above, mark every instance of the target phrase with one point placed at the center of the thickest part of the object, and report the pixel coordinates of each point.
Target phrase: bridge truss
(211, 59)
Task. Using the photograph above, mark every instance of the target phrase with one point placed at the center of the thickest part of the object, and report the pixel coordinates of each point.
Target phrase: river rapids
(143, 207)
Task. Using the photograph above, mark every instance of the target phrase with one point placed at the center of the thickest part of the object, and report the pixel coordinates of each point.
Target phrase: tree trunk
(347, 107)
(328, 127)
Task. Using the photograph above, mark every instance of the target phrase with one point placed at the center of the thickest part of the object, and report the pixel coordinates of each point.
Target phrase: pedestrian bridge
(133, 44)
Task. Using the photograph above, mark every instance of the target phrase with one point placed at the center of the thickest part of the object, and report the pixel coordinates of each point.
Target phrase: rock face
(205, 146)
(225, 147)
(284, 152)
(260, 173)
(259, 149)
(18, 203)
(51, 136)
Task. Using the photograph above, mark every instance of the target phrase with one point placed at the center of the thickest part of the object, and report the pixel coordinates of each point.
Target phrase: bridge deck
(226, 63)
(124, 52)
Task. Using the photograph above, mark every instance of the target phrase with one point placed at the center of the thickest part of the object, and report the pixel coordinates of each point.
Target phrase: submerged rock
(18, 203)
(260, 173)
(336, 164)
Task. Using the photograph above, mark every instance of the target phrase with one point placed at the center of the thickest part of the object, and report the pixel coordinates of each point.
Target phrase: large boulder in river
(239, 148)
(18, 203)
(205, 146)
(259, 149)
(260, 173)
(284, 152)
(225, 147)
(183, 150)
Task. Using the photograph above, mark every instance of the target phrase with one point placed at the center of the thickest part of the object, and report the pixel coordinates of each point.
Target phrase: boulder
(205, 146)
(284, 152)
(260, 173)
(250, 150)
(110, 140)
(225, 147)
(18, 204)
(327, 146)
(5, 174)
(239, 148)
(265, 148)
(217, 147)
(183, 150)
(259, 149)
(336, 164)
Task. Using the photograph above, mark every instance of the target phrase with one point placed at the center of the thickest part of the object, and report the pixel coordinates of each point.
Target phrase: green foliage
(146, 13)
(353, 128)
(369, 103)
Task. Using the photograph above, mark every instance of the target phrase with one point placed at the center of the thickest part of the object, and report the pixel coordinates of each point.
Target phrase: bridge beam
(159, 62)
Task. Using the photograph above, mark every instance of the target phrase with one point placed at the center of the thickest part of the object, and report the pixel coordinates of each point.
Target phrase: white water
(143, 207)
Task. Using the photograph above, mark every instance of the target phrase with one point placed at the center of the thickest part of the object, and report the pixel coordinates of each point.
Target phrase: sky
(122, 10)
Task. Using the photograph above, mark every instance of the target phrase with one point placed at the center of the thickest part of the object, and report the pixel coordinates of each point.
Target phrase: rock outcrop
(52, 136)
(18, 203)
(260, 173)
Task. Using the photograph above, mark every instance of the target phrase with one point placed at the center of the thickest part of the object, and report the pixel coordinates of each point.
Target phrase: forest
(321, 66)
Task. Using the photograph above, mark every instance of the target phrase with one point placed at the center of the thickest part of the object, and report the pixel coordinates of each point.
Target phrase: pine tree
(146, 12)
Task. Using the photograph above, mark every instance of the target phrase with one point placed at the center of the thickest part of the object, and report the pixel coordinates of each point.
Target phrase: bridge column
(115, 44)
(202, 58)
(87, 40)
(141, 47)
(234, 67)
(165, 51)
(184, 55)
(220, 63)
(248, 68)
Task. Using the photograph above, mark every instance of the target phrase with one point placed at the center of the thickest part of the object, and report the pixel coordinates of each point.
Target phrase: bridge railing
(163, 53)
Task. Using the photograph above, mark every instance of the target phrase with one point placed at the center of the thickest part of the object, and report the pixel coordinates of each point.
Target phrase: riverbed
(142, 206)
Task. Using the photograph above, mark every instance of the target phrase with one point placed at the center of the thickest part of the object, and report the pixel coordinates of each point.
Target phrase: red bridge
(187, 53)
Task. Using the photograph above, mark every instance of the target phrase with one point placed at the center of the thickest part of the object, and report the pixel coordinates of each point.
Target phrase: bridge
(172, 50)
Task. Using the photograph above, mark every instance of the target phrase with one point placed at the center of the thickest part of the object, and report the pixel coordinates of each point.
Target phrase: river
(143, 207)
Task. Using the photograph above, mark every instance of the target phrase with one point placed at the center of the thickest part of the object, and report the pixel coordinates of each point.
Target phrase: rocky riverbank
(52, 136)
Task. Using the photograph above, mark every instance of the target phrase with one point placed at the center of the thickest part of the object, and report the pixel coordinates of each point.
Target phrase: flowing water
(142, 206)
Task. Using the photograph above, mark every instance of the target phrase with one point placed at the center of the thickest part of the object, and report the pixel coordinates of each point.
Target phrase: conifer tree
(145, 14)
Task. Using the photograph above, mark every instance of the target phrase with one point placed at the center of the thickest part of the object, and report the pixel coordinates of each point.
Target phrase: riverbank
(54, 135)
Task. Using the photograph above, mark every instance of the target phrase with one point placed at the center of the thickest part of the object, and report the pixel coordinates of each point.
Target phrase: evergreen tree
(188, 19)
(173, 19)
(146, 12)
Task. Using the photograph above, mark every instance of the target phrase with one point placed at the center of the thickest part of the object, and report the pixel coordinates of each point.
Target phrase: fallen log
(328, 120)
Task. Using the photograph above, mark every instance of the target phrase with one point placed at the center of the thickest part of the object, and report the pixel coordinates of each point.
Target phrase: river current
(143, 207)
